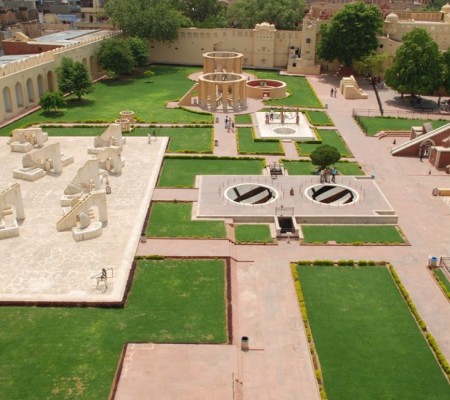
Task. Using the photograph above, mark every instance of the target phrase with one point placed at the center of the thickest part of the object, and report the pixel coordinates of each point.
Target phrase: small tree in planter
(148, 74)
(52, 101)
(325, 155)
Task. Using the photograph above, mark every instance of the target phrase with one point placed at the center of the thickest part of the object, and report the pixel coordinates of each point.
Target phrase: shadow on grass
(75, 103)
(52, 114)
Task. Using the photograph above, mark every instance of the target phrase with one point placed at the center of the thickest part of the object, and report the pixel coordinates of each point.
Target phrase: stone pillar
(212, 95)
(225, 87)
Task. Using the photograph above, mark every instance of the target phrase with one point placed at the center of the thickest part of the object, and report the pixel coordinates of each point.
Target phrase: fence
(359, 112)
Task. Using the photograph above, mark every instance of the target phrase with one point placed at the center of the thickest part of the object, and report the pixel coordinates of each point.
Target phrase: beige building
(24, 79)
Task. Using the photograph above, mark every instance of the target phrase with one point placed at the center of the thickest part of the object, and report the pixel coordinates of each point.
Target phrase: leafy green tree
(200, 10)
(64, 75)
(52, 101)
(373, 64)
(73, 77)
(139, 50)
(324, 156)
(284, 14)
(149, 19)
(351, 34)
(115, 55)
(417, 66)
(81, 81)
(446, 64)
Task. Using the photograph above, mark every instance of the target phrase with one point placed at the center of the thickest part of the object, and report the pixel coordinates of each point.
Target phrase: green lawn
(109, 97)
(302, 94)
(352, 234)
(174, 220)
(183, 140)
(181, 172)
(243, 119)
(372, 125)
(306, 168)
(252, 233)
(368, 342)
(442, 277)
(330, 137)
(319, 118)
(73, 353)
(247, 144)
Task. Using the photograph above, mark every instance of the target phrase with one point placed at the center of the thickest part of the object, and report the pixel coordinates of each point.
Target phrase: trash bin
(432, 261)
(244, 343)
(217, 120)
(216, 143)
(143, 238)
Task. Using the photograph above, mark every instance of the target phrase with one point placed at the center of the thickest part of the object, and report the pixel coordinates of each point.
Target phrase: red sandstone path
(265, 306)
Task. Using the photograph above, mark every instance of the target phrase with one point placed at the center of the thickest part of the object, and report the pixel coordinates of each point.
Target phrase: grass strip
(247, 144)
(174, 220)
(330, 137)
(305, 167)
(372, 125)
(354, 234)
(181, 171)
(319, 118)
(442, 280)
(243, 119)
(252, 233)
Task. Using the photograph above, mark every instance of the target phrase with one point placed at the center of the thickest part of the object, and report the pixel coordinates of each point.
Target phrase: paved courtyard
(42, 264)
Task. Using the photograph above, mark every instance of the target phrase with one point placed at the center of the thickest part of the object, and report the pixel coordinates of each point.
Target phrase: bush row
(314, 355)
(341, 263)
(361, 123)
(430, 339)
(150, 257)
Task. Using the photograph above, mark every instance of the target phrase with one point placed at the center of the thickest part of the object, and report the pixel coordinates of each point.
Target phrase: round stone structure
(266, 89)
(332, 194)
(222, 89)
(251, 194)
(222, 61)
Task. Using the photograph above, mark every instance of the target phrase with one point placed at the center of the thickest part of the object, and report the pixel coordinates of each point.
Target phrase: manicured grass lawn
(319, 118)
(243, 119)
(247, 144)
(352, 233)
(75, 131)
(147, 100)
(368, 342)
(302, 94)
(183, 140)
(181, 172)
(174, 220)
(439, 273)
(73, 353)
(330, 137)
(373, 125)
(252, 233)
(306, 168)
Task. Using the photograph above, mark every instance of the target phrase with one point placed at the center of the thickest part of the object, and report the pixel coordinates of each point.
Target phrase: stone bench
(29, 174)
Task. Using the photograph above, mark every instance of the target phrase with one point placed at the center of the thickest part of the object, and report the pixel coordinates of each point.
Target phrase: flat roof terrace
(42, 264)
(246, 198)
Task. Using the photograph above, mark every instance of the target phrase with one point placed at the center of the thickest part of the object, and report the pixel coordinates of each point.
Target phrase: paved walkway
(265, 306)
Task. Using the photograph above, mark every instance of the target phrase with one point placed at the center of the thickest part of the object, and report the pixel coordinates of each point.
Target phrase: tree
(284, 14)
(373, 64)
(351, 35)
(139, 50)
(81, 81)
(149, 19)
(325, 155)
(52, 100)
(446, 65)
(73, 77)
(64, 75)
(417, 66)
(115, 55)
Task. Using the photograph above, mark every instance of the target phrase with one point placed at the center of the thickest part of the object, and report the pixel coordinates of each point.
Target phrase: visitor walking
(332, 92)
(333, 175)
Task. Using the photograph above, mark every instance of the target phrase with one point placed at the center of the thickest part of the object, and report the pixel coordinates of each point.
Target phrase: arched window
(40, 85)
(50, 81)
(7, 99)
(19, 95)
(30, 90)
